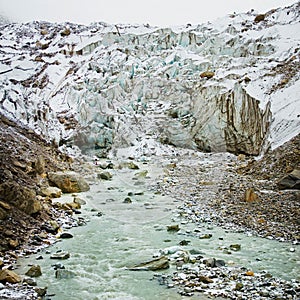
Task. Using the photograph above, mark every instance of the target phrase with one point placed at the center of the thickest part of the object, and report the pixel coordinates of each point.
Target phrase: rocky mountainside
(231, 85)
(24, 159)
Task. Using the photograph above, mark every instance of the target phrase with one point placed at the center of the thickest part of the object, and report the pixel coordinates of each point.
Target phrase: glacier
(104, 87)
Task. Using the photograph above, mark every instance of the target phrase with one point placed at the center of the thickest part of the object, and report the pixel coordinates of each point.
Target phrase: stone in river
(205, 236)
(127, 200)
(152, 265)
(235, 247)
(104, 175)
(60, 255)
(41, 291)
(64, 274)
(66, 235)
(34, 271)
(173, 227)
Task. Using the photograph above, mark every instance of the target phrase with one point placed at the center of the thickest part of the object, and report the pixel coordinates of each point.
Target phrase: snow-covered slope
(232, 85)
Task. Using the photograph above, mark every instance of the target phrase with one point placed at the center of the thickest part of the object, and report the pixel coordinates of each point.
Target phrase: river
(125, 234)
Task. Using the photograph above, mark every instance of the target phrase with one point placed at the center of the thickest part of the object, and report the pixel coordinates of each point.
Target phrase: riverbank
(240, 194)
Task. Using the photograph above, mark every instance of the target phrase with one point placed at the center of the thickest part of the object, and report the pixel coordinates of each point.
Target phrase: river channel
(119, 235)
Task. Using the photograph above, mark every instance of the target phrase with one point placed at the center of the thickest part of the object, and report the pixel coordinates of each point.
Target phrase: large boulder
(51, 191)
(152, 265)
(69, 182)
(290, 181)
(9, 276)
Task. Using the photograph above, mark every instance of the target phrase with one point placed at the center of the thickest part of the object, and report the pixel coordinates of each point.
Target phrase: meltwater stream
(129, 233)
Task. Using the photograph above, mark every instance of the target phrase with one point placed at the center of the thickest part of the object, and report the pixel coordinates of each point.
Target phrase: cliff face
(231, 85)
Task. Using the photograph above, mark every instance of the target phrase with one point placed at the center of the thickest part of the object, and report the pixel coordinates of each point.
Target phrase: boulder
(41, 291)
(9, 276)
(69, 182)
(34, 271)
(105, 175)
(51, 191)
(66, 235)
(160, 263)
(290, 181)
(60, 255)
(173, 228)
(64, 274)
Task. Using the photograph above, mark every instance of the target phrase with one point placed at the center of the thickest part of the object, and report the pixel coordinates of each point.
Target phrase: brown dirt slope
(24, 159)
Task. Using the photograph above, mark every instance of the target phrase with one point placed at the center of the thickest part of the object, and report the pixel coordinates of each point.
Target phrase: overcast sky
(153, 12)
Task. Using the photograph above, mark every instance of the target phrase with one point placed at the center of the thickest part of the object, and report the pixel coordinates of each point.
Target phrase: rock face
(69, 182)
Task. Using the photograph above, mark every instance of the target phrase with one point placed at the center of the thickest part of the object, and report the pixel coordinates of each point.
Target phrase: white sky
(153, 12)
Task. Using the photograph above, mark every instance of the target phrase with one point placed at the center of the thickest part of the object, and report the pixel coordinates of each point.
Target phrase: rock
(41, 291)
(220, 263)
(160, 263)
(238, 286)
(205, 279)
(127, 200)
(105, 175)
(30, 281)
(39, 165)
(205, 236)
(184, 243)
(66, 235)
(259, 18)
(65, 32)
(173, 227)
(68, 182)
(207, 74)
(71, 205)
(58, 266)
(290, 181)
(235, 247)
(9, 276)
(249, 273)
(5, 205)
(60, 255)
(251, 196)
(34, 271)
(130, 165)
(20, 196)
(210, 262)
(64, 274)
(79, 201)
(13, 243)
(3, 214)
(51, 191)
